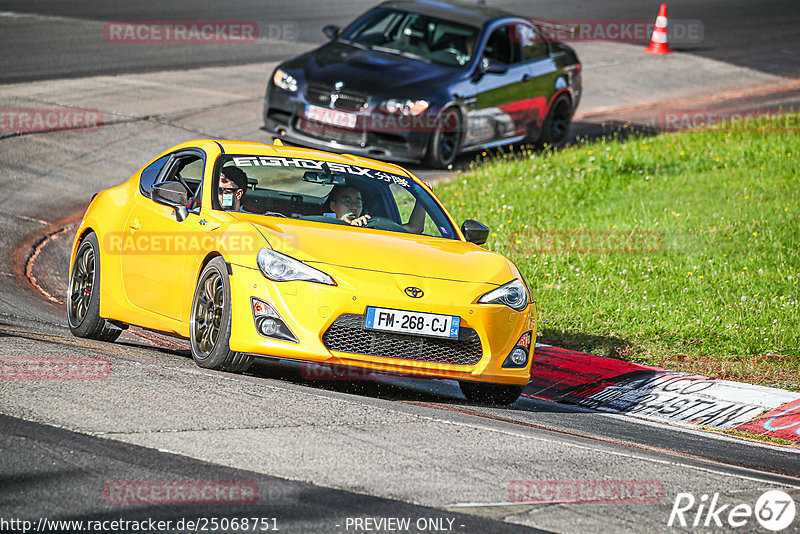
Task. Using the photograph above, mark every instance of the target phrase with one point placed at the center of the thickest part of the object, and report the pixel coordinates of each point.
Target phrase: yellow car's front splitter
(327, 322)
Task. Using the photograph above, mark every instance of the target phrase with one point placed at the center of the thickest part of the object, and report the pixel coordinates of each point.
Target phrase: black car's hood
(368, 71)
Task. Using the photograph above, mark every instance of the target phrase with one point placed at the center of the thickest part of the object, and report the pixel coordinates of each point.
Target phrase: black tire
(445, 141)
(498, 394)
(210, 322)
(83, 294)
(555, 130)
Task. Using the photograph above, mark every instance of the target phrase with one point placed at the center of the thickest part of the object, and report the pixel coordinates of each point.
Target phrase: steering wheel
(459, 55)
(276, 214)
(382, 223)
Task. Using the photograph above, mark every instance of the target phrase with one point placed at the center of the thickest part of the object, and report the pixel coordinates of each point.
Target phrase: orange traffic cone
(658, 42)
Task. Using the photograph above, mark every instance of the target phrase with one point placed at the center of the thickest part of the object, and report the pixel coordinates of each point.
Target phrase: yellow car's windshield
(327, 192)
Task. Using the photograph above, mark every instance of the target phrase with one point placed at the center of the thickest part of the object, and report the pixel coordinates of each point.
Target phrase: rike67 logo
(774, 510)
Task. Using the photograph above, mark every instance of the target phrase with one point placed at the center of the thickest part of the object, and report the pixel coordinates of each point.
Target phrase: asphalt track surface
(320, 452)
(44, 39)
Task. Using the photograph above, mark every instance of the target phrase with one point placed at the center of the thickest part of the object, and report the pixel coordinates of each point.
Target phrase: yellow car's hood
(388, 252)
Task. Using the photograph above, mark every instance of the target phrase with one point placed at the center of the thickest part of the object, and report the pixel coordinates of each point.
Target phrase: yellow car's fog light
(269, 323)
(519, 354)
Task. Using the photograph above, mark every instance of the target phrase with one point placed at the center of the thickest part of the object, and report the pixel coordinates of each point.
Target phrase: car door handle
(135, 225)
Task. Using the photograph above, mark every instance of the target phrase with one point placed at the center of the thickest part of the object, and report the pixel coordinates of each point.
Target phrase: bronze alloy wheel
(83, 295)
(210, 322)
(81, 284)
(207, 312)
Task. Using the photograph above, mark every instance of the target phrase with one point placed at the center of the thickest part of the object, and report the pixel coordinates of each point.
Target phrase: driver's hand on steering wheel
(360, 221)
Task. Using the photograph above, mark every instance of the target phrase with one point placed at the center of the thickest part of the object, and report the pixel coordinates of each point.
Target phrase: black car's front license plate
(331, 116)
(414, 323)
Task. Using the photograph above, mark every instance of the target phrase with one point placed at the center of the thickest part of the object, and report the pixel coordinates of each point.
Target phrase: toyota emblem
(414, 292)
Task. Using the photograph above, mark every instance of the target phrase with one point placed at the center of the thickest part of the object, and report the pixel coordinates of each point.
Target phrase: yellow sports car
(252, 250)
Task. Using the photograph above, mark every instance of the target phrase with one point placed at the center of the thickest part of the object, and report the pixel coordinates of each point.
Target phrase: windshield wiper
(354, 44)
(399, 53)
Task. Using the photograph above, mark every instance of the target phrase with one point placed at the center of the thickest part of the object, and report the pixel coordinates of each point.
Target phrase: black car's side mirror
(172, 194)
(331, 31)
(492, 66)
(475, 232)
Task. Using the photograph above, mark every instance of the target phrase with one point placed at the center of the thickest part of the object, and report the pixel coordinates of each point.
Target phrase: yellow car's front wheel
(83, 294)
(210, 328)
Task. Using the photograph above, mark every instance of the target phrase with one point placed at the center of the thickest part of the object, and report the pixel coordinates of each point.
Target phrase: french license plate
(415, 323)
(331, 116)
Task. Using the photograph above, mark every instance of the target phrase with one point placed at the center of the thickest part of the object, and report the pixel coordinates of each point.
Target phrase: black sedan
(414, 80)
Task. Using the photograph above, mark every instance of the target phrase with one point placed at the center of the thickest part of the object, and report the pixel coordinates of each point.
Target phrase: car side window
(188, 170)
(501, 47)
(149, 175)
(531, 42)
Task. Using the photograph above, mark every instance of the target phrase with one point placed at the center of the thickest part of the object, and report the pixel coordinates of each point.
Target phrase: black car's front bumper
(373, 137)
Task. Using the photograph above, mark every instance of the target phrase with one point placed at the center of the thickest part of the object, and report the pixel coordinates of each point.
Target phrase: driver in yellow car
(345, 202)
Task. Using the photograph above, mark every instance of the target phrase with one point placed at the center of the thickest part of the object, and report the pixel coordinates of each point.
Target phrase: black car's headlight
(513, 294)
(284, 81)
(405, 107)
(282, 268)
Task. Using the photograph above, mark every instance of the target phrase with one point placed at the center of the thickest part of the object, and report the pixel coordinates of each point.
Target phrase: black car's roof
(472, 14)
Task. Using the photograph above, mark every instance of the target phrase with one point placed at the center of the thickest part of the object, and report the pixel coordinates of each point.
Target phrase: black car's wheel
(445, 142)
(556, 124)
(83, 294)
(210, 323)
(490, 393)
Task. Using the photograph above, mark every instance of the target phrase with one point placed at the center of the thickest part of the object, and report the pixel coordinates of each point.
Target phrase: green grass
(758, 437)
(715, 293)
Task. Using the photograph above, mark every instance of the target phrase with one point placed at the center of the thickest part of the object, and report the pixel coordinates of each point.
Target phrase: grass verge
(680, 250)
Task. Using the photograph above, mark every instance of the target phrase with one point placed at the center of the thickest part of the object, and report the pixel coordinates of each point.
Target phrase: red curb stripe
(782, 422)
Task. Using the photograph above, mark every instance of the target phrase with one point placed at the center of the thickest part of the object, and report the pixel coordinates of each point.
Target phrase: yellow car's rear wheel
(210, 326)
(83, 294)
(490, 393)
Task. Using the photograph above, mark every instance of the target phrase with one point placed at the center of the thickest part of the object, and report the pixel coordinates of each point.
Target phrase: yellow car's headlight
(513, 294)
(282, 268)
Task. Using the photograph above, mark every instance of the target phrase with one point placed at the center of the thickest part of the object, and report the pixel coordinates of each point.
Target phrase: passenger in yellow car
(232, 185)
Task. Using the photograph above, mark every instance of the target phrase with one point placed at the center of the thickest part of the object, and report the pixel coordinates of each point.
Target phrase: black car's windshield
(414, 35)
(327, 192)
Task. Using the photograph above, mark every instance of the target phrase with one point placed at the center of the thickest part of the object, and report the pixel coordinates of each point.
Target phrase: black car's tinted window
(415, 35)
(500, 46)
(533, 46)
(149, 175)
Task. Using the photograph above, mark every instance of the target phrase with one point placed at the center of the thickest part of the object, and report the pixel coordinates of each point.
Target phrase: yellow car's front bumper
(310, 310)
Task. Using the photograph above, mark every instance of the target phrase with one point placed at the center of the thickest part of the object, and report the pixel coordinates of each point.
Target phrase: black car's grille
(329, 132)
(347, 334)
(345, 100)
